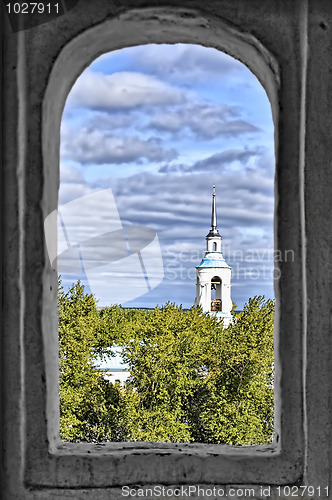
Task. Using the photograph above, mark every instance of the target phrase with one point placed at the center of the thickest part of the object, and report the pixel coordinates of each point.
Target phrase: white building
(213, 275)
(114, 374)
(114, 368)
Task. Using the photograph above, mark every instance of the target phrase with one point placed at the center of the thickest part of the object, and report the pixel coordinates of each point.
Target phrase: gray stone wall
(288, 45)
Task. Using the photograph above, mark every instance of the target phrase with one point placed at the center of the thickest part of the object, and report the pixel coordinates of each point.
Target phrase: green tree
(89, 405)
(191, 378)
(235, 403)
(165, 360)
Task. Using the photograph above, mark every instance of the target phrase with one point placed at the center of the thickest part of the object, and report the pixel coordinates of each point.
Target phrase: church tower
(213, 275)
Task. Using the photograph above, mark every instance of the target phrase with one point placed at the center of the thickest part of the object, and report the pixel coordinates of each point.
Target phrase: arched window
(216, 297)
(78, 144)
(43, 460)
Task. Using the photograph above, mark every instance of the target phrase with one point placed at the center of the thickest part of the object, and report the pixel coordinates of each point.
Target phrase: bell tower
(213, 275)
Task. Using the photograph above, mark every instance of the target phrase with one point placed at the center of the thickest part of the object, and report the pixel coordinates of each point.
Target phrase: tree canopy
(191, 379)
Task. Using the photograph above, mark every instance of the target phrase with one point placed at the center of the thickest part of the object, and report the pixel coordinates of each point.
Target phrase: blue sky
(158, 125)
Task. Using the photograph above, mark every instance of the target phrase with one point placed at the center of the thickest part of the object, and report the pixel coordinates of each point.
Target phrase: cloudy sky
(146, 132)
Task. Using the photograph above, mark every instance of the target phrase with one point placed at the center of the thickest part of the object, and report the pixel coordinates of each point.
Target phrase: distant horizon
(157, 305)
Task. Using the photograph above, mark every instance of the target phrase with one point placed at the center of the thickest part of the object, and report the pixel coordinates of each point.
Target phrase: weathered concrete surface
(288, 46)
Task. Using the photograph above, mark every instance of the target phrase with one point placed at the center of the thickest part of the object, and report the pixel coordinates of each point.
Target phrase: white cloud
(202, 120)
(218, 162)
(69, 191)
(179, 209)
(180, 206)
(119, 120)
(122, 90)
(70, 174)
(101, 147)
(181, 62)
(181, 104)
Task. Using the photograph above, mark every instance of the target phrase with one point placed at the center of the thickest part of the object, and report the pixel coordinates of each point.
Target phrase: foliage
(235, 403)
(166, 360)
(191, 378)
(89, 405)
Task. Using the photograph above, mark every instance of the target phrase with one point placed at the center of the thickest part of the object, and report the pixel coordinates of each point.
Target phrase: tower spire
(213, 275)
(214, 211)
(214, 231)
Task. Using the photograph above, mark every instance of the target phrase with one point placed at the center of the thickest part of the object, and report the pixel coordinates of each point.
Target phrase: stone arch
(136, 27)
(39, 461)
(216, 294)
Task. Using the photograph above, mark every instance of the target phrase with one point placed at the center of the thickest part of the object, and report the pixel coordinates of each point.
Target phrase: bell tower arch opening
(216, 297)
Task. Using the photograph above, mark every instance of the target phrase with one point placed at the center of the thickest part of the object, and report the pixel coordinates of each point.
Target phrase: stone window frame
(49, 463)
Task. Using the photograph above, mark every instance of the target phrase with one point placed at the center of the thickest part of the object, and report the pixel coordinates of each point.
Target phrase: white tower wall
(203, 288)
(214, 273)
(213, 244)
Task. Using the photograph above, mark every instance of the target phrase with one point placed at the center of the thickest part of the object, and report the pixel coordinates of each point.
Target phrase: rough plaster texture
(288, 45)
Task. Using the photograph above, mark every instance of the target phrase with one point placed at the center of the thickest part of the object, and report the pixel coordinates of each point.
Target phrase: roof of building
(214, 233)
(210, 262)
(220, 314)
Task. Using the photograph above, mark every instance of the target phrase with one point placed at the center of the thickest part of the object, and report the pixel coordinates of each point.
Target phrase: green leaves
(191, 379)
(89, 405)
(237, 405)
